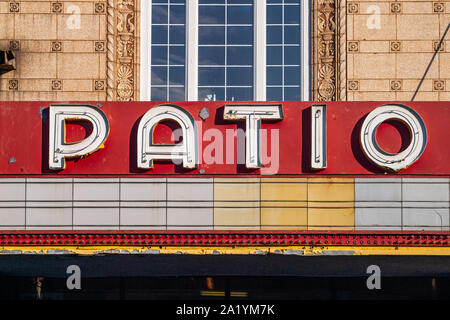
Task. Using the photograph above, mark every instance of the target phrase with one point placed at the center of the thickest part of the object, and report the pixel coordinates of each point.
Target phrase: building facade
(127, 56)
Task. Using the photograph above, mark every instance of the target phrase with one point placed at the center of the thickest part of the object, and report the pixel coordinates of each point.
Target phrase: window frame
(259, 50)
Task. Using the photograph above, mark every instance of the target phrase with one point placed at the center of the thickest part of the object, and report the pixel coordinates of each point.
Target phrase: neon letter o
(405, 158)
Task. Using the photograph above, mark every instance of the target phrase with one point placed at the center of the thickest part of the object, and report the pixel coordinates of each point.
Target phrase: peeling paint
(294, 250)
(11, 252)
(338, 252)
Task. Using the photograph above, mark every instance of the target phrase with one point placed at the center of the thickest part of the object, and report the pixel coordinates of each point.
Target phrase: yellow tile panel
(276, 217)
(236, 189)
(332, 219)
(234, 217)
(286, 191)
(331, 189)
(295, 204)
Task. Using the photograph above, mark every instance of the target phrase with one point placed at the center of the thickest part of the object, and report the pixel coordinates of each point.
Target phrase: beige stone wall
(387, 63)
(55, 61)
(100, 61)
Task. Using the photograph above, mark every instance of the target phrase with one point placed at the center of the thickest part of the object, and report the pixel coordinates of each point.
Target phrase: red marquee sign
(224, 138)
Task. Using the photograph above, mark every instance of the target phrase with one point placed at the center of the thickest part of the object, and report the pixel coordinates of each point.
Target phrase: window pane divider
(192, 50)
(259, 49)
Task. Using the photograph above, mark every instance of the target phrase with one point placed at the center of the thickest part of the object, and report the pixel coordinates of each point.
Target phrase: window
(168, 34)
(235, 50)
(225, 53)
(283, 50)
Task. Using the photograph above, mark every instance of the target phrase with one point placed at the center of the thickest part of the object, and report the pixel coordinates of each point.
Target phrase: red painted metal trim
(225, 238)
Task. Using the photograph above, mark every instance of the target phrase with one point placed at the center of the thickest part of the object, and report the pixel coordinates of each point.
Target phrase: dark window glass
(211, 35)
(274, 94)
(292, 55)
(177, 15)
(159, 55)
(228, 43)
(211, 15)
(274, 35)
(292, 34)
(292, 14)
(177, 55)
(159, 75)
(274, 76)
(240, 35)
(240, 55)
(212, 1)
(240, 94)
(292, 94)
(177, 34)
(159, 94)
(211, 56)
(176, 75)
(211, 94)
(159, 35)
(176, 94)
(240, 1)
(274, 15)
(283, 82)
(159, 15)
(168, 50)
(240, 15)
(292, 76)
(274, 55)
(239, 76)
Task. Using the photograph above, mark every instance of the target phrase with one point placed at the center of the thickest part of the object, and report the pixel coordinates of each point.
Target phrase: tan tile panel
(374, 85)
(374, 66)
(421, 96)
(374, 46)
(6, 26)
(411, 85)
(29, 85)
(4, 7)
(413, 65)
(444, 96)
(35, 7)
(77, 85)
(76, 96)
(417, 27)
(78, 66)
(417, 46)
(386, 32)
(35, 26)
(366, 8)
(28, 96)
(36, 65)
(373, 96)
(417, 7)
(444, 66)
(89, 28)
